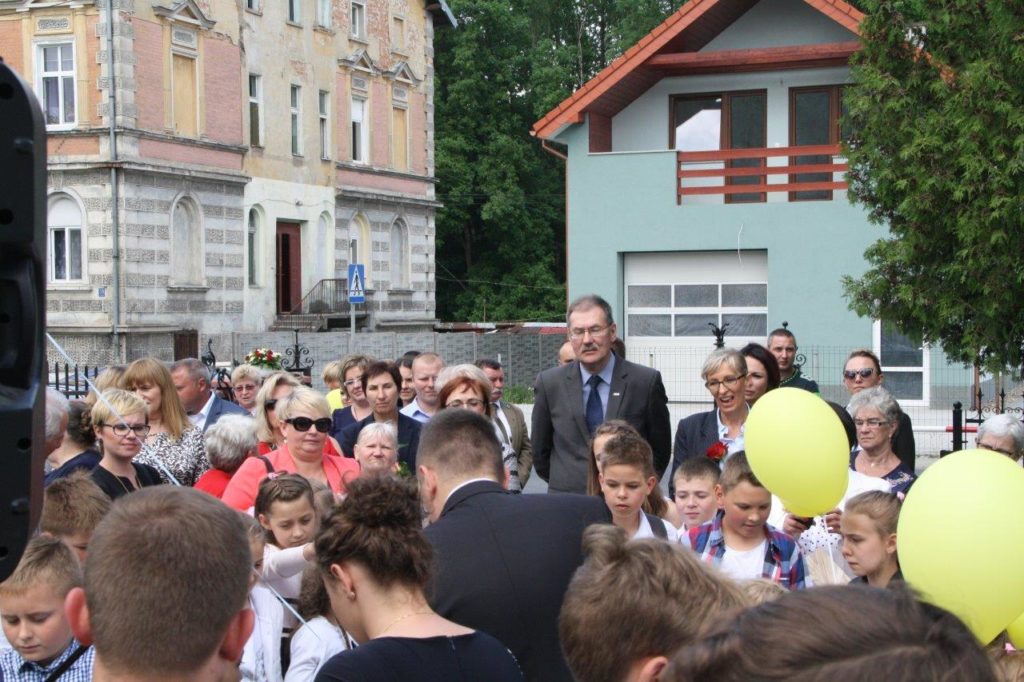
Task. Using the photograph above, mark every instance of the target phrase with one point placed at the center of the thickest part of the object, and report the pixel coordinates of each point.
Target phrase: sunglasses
(303, 424)
(852, 374)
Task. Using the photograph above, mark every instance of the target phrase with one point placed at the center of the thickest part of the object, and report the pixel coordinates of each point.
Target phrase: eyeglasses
(852, 374)
(353, 382)
(245, 387)
(303, 424)
(472, 402)
(728, 382)
(985, 446)
(595, 332)
(870, 423)
(140, 430)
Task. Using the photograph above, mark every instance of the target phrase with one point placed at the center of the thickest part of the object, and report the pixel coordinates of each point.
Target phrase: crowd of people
(267, 531)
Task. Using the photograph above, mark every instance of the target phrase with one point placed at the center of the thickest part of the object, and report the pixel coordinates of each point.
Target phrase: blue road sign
(356, 283)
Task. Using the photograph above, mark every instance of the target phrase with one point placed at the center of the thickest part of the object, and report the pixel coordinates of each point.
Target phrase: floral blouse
(185, 458)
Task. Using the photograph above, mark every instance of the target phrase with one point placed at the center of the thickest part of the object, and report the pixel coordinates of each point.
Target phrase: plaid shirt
(782, 561)
(14, 667)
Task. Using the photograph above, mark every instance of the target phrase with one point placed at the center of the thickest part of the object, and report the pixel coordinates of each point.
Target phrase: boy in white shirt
(627, 477)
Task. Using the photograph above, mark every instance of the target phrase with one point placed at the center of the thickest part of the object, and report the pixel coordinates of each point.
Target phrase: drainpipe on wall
(114, 227)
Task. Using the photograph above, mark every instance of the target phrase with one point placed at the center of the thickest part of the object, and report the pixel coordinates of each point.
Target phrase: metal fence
(71, 379)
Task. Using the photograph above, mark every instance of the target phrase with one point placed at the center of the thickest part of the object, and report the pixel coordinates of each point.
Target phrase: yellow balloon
(797, 447)
(1016, 632)
(960, 539)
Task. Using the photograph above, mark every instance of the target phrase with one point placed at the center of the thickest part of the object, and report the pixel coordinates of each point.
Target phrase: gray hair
(1002, 425)
(230, 440)
(881, 400)
(247, 372)
(196, 369)
(56, 411)
(378, 429)
(463, 371)
(724, 356)
(588, 301)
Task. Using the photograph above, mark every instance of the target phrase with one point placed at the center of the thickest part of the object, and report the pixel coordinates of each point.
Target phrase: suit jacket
(903, 444)
(408, 439)
(694, 435)
(561, 453)
(503, 563)
(220, 408)
(520, 440)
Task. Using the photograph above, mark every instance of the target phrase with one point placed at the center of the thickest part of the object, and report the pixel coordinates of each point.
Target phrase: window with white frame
(323, 13)
(66, 239)
(56, 85)
(252, 5)
(253, 238)
(905, 364)
(358, 19)
(295, 11)
(186, 244)
(399, 255)
(360, 131)
(324, 103)
(255, 110)
(296, 112)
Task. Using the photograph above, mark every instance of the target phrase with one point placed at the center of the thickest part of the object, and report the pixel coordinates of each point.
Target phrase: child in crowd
(694, 481)
(332, 378)
(72, 508)
(627, 479)
(321, 637)
(759, 590)
(261, 657)
(286, 510)
(32, 610)
(662, 599)
(868, 528)
(738, 539)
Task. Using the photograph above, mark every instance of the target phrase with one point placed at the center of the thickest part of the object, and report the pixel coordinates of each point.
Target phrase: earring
(351, 595)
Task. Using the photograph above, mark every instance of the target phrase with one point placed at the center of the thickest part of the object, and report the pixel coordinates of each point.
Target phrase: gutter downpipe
(114, 218)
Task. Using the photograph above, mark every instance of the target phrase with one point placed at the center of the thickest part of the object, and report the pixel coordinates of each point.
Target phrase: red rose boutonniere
(717, 451)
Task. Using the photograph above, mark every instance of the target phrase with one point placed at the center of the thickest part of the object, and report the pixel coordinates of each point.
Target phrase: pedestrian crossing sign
(356, 283)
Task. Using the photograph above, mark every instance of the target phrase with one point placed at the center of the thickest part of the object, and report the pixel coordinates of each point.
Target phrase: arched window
(186, 243)
(66, 239)
(399, 255)
(359, 230)
(253, 245)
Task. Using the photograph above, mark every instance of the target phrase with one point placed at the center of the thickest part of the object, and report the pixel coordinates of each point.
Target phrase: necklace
(399, 620)
(134, 482)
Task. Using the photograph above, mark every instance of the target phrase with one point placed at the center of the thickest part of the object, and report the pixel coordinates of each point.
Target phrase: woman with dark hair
(381, 384)
(762, 371)
(78, 449)
(376, 564)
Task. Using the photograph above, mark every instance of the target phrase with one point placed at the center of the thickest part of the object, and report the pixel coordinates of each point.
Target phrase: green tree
(938, 157)
(501, 233)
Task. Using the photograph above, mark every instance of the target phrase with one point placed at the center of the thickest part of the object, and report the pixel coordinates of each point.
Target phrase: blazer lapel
(617, 391)
(574, 397)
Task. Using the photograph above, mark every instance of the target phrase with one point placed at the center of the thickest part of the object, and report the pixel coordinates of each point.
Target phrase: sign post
(356, 290)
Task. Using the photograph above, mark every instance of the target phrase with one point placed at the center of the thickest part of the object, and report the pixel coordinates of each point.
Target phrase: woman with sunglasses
(862, 371)
(381, 385)
(716, 433)
(304, 420)
(121, 425)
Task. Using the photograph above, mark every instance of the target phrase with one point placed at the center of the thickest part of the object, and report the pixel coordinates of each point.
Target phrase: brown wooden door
(289, 267)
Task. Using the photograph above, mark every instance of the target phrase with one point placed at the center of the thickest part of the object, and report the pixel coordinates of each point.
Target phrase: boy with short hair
(72, 508)
(627, 477)
(332, 378)
(739, 540)
(32, 611)
(632, 604)
(694, 482)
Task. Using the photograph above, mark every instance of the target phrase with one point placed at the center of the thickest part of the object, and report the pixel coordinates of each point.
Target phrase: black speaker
(22, 314)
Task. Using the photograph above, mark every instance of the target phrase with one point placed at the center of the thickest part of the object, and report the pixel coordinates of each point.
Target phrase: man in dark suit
(204, 407)
(503, 561)
(572, 400)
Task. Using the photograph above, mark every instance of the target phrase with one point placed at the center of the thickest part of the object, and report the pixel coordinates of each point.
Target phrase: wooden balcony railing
(809, 173)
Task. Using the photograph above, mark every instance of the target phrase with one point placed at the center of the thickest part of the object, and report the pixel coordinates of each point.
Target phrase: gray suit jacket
(560, 437)
(220, 408)
(519, 439)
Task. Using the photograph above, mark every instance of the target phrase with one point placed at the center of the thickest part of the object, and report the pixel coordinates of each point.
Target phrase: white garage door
(673, 299)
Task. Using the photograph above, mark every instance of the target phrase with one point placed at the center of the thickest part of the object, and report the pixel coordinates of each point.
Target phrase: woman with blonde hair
(120, 423)
(304, 423)
(357, 404)
(275, 387)
(245, 384)
(174, 447)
